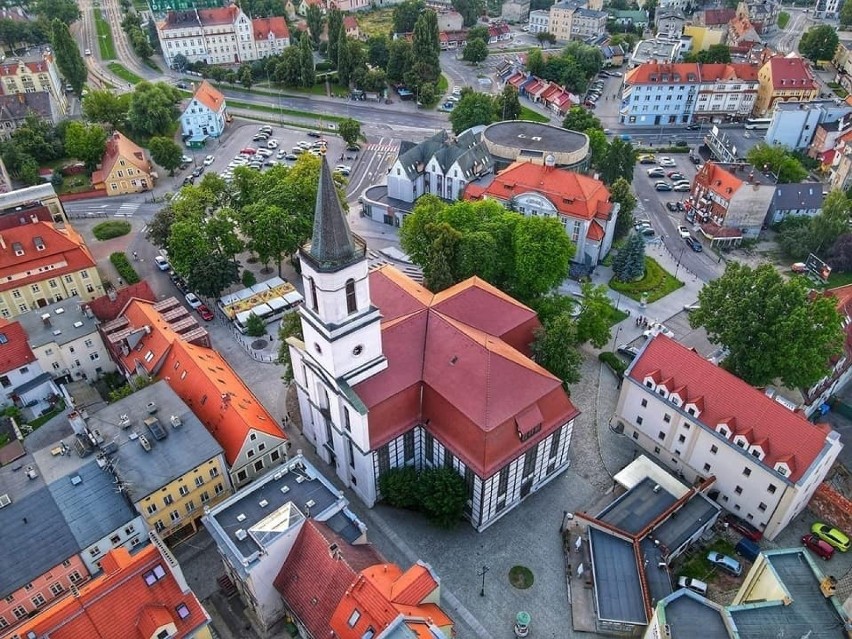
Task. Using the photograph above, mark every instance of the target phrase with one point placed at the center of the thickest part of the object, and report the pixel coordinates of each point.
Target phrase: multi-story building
(125, 168)
(14, 110)
(41, 263)
(795, 124)
(205, 114)
(803, 199)
(159, 7)
(656, 94)
(700, 421)
(571, 20)
(160, 455)
(38, 202)
(581, 203)
(389, 375)
(140, 595)
(786, 79)
(661, 49)
(562, 17)
(34, 73)
(670, 23)
(841, 165)
(515, 11)
(23, 381)
(221, 35)
(704, 37)
(588, 23)
(828, 9)
(66, 341)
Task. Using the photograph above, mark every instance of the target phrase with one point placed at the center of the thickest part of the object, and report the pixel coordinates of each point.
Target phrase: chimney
(111, 294)
(46, 319)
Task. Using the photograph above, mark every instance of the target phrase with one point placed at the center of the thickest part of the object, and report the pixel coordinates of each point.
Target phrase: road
(787, 40)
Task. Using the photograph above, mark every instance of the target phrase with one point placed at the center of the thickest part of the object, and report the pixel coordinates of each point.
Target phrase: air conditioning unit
(284, 490)
(278, 475)
(300, 479)
(124, 421)
(175, 420)
(241, 534)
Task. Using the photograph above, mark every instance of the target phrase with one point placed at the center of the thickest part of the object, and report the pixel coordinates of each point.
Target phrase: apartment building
(699, 421)
(205, 114)
(787, 79)
(23, 382)
(220, 35)
(34, 73)
(125, 168)
(570, 20)
(15, 109)
(795, 124)
(41, 263)
(38, 202)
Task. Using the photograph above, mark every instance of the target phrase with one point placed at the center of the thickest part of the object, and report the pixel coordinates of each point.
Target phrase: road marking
(127, 209)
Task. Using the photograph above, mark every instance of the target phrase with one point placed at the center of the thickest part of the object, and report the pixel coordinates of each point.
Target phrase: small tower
(340, 326)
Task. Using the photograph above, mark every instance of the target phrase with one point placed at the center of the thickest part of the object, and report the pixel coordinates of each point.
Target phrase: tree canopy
(715, 53)
(106, 107)
(580, 119)
(554, 348)
(86, 142)
(153, 109)
(621, 192)
(68, 57)
(166, 153)
(629, 264)
(593, 322)
(405, 15)
(350, 130)
(617, 162)
(778, 160)
(772, 329)
(819, 43)
(475, 51)
(472, 109)
(799, 236)
(470, 10)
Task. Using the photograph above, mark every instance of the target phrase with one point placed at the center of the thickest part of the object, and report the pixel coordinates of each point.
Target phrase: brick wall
(832, 507)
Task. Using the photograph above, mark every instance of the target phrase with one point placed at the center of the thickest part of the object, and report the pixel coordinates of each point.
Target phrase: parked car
(185, 159)
(741, 525)
(683, 231)
(291, 157)
(725, 563)
(693, 584)
(695, 159)
(272, 144)
(209, 160)
(629, 352)
(88, 52)
(694, 244)
(667, 162)
(354, 148)
(281, 154)
(205, 313)
(818, 546)
(343, 169)
(162, 263)
(675, 176)
(672, 206)
(260, 137)
(682, 187)
(248, 151)
(192, 300)
(188, 180)
(314, 134)
(656, 172)
(647, 232)
(197, 171)
(748, 549)
(693, 127)
(266, 129)
(663, 186)
(831, 535)
(648, 158)
(263, 153)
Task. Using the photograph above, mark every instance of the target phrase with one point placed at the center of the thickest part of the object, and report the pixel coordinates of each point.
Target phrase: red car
(818, 546)
(248, 151)
(743, 527)
(206, 313)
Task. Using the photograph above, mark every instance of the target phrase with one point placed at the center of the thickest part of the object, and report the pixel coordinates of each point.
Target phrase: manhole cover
(259, 344)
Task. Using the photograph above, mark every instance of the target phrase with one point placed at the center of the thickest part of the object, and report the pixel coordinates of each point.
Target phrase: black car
(695, 159)
(189, 180)
(198, 171)
(628, 351)
(671, 206)
(693, 127)
(680, 206)
(354, 148)
(694, 244)
(314, 134)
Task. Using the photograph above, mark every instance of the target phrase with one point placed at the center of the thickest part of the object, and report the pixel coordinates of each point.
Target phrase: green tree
(245, 76)
(378, 52)
(475, 51)
(440, 272)
(405, 15)
(106, 107)
(269, 237)
(580, 119)
(248, 279)
(507, 104)
(291, 326)
(470, 10)
(545, 37)
(374, 81)
(37, 139)
(65, 11)
(845, 14)
(68, 57)
(629, 264)
(543, 252)
(426, 48)
(288, 69)
(555, 348)
(336, 34)
(212, 274)
(160, 226)
(619, 162)
(598, 145)
(400, 487)
(28, 173)
(345, 62)
(443, 496)
(255, 326)
(535, 62)
(777, 160)
(832, 221)
(400, 59)
(479, 32)
(593, 322)
(350, 131)
(819, 43)
(622, 193)
(306, 59)
(472, 109)
(152, 109)
(166, 153)
(759, 318)
(86, 142)
(715, 53)
(315, 20)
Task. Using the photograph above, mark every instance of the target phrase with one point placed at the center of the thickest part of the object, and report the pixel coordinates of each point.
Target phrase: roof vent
(76, 480)
(4, 501)
(241, 534)
(657, 488)
(175, 420)
(310, 503)
(263, 503)
(284, 490)
(124, 421)
(241, 517)
(278, 475)
(59, 311)
(145, 443)
(31, 472)
(151, 407)
(300, 479)
(57, 332)
(78, 324)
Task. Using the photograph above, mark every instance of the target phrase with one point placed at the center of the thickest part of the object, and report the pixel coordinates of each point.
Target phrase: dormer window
(741, 441)
(782, 469)
(649, 383)
(723, 430)
(674, 398)
(758, 452)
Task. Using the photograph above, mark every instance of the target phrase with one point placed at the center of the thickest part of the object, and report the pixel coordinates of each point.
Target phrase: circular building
(524, 141)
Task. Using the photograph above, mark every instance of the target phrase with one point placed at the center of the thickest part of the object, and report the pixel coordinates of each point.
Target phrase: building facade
(125, 168)
(375, 396)
(34, 73)
(699, 420)
(23, 381)
(786, 79)
(205, 114)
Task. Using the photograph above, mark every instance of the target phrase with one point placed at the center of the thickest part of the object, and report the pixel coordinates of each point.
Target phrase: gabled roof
(466, 149)
(572, 194)
(200, 17)
(209, 96)
(263, 27)
(316, 575)
(350, 22)
(15, 352)
(17, 107)
(107, 307)
(718, 17)
(118, 148)
(797, 196)
(790, 436)
(790, 73)
(120, 604)
(718, 180)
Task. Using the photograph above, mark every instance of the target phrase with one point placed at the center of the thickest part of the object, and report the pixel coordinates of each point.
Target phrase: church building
(389, 374)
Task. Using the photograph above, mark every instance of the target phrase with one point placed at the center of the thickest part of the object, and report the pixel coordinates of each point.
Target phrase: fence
(245, 341)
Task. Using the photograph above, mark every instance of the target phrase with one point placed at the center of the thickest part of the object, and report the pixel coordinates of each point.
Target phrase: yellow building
(164, 458)
(41, 264)
(562, 17)
(124, 168)
(784, 80)
(704, 37)
(33, 74)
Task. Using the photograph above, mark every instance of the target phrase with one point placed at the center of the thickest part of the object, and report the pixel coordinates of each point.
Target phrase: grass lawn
(39, 421)
(783, 19)
(105, 42)
(125, 74)
(148, 62)
(378, 22)
(111, 229)
(534, 116)
(75, 184)
(442, 85)
(838, 90)
(839, 279)
(616, 315)
(293, 112)
(698, 567)
(656, 283)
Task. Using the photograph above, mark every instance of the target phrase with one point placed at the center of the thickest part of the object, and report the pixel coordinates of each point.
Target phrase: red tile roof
(717, 17)
(64, 252)
(350, 23)
(573, 194)
(14, 350)
(595, 232)
(456, 361)
(277, 26)
(790, 73)
(119, 604)
(313, 580)
(209, 96)
(718, 180)
(107, 309)
(787, 436)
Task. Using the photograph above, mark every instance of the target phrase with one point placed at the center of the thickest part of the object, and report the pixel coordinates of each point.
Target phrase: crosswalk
(383, 148)
(127, 209)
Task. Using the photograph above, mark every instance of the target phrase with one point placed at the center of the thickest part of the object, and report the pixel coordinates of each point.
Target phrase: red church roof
(789, 437)
(790, 73)
(457, 361)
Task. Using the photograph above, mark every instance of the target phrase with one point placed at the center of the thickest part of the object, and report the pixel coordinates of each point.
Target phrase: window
(168, 500)
(644, 403)
(448, 459)
(153, 576)
(174, 515)
(772, 488)
(635, 435)
(706, 468)
(182, 610)
(10, 598)
(250, 451)
(430, 447)
(275, 455)
(353, 618)
(346, 422)
(75, 577)
(57, 588)
(184, 491)
(639, 420)
(190, 506)
(661, 435)
(66, 563)
(408, 445)
(38, 600)
(241, 475)
(94, 552)
(351, 302)
(667, 418)
(681, 438)
(94, 356)
(19, 611)
(714, 449)
(220, 488)
(28, 587)
(199, 481)
(656, 450)
(738, 490)
(746, 471)
(214, 472)
(258, 465)
(314, 302)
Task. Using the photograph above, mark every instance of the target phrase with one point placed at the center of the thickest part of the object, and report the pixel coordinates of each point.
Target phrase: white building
(827, 9)
(205, 114)
(794, 124)
(23, 382)
(539, 21)
(223, 35)
(701, 421)
(389, 375)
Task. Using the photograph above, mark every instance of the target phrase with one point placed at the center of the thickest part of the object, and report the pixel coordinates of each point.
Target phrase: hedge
(615, 363)
(111, 229)
(125, 270)
(439, 493)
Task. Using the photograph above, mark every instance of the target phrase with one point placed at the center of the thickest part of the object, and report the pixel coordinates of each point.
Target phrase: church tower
(341, 328)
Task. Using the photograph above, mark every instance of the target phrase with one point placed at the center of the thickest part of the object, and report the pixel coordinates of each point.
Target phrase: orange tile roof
(118, 148)
(14, 350)
(64, 252)
(119, 604)
(690, 73)
(209, 96)
(573, 194)
(217, 396)
(277, 26)
(721, 182)
(107, 309)
(595, 232)
(790, 73)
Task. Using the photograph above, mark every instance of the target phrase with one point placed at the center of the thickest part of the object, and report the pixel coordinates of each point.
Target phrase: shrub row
(614, 362)
(122, 265)
(439, 493)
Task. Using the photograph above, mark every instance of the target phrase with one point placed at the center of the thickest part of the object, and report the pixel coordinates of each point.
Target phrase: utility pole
(482, 574)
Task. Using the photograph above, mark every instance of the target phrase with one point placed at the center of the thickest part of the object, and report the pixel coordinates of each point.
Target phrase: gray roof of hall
(616, 576)
(690, 517)
(638, 507)
(466, 149)
(802, 195)
(690, 616)
(66, 325)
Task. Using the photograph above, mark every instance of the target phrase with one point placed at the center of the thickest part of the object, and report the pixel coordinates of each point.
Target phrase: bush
(439, 493)
(614, 362)
(324, 66)
(111, 229)
(248, 278)
(125, 270)
(656, 283)
(255, 326)
(399, 487)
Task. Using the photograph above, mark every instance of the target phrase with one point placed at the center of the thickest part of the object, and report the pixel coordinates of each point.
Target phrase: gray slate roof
(789, 197)
(617, 587)
(15, 108)
(466, 149)
(65, 323)
(690, 616)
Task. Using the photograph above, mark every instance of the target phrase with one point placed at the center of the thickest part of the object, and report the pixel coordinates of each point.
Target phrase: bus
(758, 123)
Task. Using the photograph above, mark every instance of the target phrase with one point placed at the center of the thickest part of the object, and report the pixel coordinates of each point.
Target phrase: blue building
(204, 116)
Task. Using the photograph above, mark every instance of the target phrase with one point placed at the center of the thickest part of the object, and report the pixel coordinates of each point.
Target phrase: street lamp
(615, 339)
(482, 574)
(677, 268)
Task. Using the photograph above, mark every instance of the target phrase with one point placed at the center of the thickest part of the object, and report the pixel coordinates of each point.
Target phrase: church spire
(333, 245)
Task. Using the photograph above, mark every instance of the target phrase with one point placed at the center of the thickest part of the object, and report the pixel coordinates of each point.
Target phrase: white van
(693, 584)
